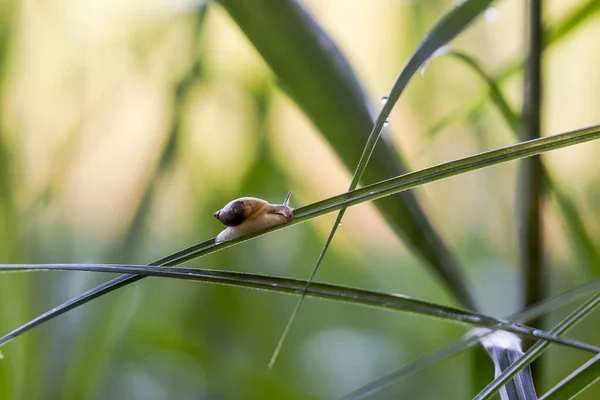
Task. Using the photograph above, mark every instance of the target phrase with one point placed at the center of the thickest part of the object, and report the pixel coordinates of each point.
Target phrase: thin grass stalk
(323, 290)
(531, 188)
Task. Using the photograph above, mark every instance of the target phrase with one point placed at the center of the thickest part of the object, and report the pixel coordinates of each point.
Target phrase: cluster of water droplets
(384, 100)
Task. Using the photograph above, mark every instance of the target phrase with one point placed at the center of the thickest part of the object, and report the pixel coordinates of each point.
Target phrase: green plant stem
(531, 189)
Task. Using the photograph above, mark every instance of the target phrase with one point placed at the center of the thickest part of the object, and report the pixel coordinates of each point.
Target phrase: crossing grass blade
(321, 290)
(451, 25)
(358, 196)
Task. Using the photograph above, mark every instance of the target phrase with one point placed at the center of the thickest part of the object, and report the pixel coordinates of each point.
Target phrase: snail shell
(249, 214)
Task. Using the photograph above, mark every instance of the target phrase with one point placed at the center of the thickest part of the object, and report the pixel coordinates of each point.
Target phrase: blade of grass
(531, 175)
(538, 348)
(532, 242)
(512, 119)
(445, 30)
(450, 350)
(319, 79)
(577, 382)
(322, 290)
(580, 14)
(357, 196)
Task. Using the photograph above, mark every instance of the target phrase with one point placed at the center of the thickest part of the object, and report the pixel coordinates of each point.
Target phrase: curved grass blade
(321, 290)
(577, 382)
(538, 348)
(579, 15)
(319, 79)
(358, 196)
(449, 27)
(495, 94)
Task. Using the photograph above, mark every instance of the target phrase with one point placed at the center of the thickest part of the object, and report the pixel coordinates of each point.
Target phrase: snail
(248, 215)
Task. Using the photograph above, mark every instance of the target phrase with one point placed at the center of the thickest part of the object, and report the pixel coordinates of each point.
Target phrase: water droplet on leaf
(491, 14)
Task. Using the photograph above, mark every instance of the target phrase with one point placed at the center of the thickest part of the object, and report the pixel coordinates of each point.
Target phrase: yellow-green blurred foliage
(126, 124)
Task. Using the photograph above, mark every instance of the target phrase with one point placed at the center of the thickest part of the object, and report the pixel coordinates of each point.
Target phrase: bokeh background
(125, 125)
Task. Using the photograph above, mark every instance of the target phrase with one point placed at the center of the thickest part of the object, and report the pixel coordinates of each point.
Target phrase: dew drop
(387, 122)
(340, 224)
(491, 14)
(384, 99)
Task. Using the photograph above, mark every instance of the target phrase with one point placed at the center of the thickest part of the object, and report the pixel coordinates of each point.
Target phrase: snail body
(249, 214)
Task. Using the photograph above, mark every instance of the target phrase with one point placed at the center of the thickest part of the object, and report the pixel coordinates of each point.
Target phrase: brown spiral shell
(237, 211)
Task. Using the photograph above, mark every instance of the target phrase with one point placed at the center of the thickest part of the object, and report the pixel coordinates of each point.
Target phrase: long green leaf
(538, 348)
(530, 187)
(321, 290)
(321, 82)
(533, 312)
(451, 25)
(358, 196)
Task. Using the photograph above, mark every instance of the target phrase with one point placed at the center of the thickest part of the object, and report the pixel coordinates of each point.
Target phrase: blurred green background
(125, 125)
